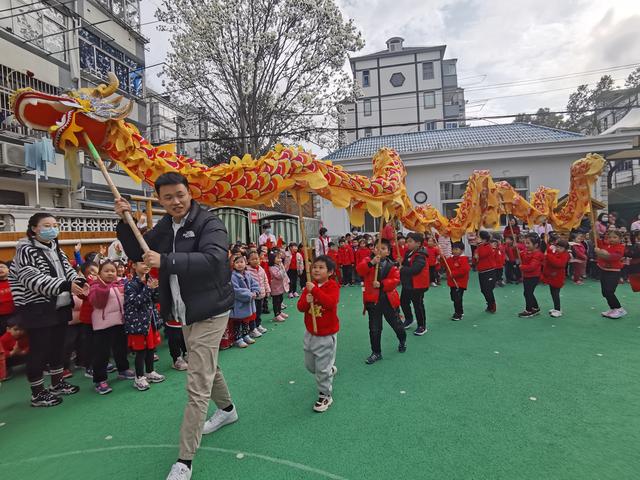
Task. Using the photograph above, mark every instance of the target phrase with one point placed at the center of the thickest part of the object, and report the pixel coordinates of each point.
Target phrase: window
(367, 132)
(11, 197)
(451, 125)
(367, 108)
(38, 25)
(450, 98)
(625, 166)
(371, 224)
(429, 99)
(429, 125)
(605, 123)
(365, 78)
(427, 71)
(449, 68)
(126, 10)
(99, 57)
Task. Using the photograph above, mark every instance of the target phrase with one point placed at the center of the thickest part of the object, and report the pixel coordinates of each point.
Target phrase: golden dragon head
(65, 116)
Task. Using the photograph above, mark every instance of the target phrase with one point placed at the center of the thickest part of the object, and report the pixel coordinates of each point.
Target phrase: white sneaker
(285, 315)
(240, 343)
(296, 294)
(555, 313)
(141, 384)
(181, 364)
(261, 329)
(617, 313)
(255, 333)
(154, 377)
(607, 313)
(179, 471)
(323, 403)
(291, 295)
(248, 340)
(219, 419)
(279, 318)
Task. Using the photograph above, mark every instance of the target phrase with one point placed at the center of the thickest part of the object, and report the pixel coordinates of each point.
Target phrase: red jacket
(499, 256)
(403, 250)
(555, 268)
(325, 301)
(531, 265)
(459, 267)
(510, 231)
(510, 253)
(362, 253)
(614, 262)
(6, 299)
(335, 256)
(432, 259)
(486, 257)
(388, 284)
(415, 271)
(346, 255)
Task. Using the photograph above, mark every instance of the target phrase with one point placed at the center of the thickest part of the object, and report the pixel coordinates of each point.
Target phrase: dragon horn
(116, 100)
(123, 111)
(103, 90)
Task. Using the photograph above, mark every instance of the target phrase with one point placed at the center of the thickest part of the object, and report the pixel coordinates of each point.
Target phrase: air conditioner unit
(12, 156)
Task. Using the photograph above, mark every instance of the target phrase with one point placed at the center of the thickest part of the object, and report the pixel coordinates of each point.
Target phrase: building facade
(404, 89)
(54, 47)
(438, 163)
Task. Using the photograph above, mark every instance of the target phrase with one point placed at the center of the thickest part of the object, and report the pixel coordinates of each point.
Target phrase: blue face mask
(49, 233)
(268, 231)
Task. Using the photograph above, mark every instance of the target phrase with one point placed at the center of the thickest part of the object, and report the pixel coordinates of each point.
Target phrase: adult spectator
(42, 284)
(322, 243)
(512, 230)
(267, 238)
(635, 226)
(602, 223)
(189, 246)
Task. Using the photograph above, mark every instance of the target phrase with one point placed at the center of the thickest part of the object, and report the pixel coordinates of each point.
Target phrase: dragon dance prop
(87, 117)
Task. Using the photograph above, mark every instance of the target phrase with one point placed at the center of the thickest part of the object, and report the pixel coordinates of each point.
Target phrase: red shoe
(66, 373)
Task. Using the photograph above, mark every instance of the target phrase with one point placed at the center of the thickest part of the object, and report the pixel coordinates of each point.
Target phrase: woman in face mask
(42, 283)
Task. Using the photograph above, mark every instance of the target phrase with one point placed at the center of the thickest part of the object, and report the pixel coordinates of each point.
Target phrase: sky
(513, 42)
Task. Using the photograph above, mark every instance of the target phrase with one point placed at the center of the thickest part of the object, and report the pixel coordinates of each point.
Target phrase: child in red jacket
(381, 298)
(457, 277)
(511, 267)
(554, 272)
(346, 259)
(334, 254)
(610, 263)
(433, 259)
(362, 252)
(323, 295)
(499, 259)
(531, 268)
(484, 260)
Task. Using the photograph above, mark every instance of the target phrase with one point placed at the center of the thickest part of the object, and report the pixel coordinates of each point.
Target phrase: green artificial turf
(490, 397)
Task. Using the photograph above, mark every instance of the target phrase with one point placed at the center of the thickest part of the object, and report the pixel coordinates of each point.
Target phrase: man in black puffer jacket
(190, 248)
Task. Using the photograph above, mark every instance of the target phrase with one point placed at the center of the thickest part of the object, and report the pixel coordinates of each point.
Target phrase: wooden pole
(594, 231)
(446, 264)
(149, 214)
(307, 267)
(128, 218)
(379, 244)
(395, 233)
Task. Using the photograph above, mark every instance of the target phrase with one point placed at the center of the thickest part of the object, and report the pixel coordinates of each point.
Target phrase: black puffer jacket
(201, 262)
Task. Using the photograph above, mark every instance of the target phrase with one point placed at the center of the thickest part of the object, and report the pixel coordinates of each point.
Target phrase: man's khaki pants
(204, 380)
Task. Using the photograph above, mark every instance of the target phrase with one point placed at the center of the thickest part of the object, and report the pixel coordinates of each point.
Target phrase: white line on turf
(280, 461)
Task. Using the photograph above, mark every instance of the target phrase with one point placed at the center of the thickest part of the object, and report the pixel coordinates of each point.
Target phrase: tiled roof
(454, 138)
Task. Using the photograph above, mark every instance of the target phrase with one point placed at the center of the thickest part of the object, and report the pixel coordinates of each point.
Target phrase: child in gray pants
(321, 296)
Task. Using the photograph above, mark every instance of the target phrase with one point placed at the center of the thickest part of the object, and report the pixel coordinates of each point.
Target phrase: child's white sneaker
(141, 384)
(285, 315)
(323, 403)
(255, 333)
(262, 329)
(179, 471)
(296, 294)
(240, 343)
(617, 313)
(291, 295)
(279, 319)
(555, 313)
(607, 313)
(180, 364)
(219, 419)
(154, 377)
(248, 340)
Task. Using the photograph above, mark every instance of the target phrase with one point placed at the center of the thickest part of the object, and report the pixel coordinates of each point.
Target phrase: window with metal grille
(38, 26)
(367, 108)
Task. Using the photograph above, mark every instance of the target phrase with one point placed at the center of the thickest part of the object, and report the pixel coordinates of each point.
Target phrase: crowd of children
(117, 319)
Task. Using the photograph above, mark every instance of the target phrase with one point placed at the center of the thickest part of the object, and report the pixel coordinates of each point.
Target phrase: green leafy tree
(583, 103)
(544, 116)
